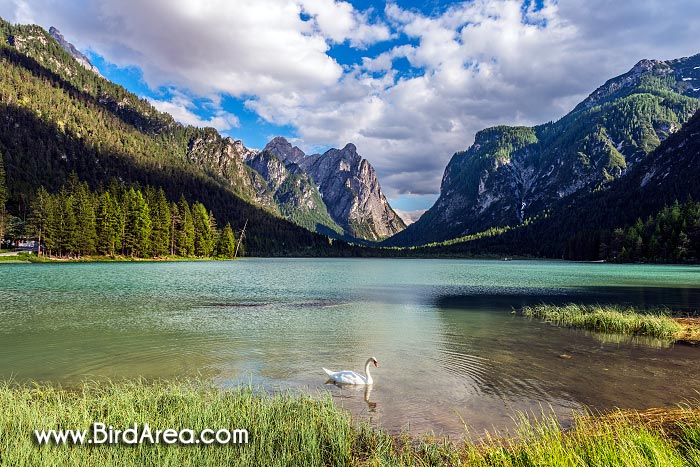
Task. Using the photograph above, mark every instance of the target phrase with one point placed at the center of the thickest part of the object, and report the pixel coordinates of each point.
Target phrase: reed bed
(608, 318)
(293, 429)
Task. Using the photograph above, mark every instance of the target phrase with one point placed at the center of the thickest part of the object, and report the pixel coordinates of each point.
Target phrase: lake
(450, 350)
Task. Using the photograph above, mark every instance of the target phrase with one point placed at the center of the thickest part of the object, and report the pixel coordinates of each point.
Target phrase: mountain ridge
(347, 186)
(583, 227)
(511, 174)
(71, 49)
(57, 117)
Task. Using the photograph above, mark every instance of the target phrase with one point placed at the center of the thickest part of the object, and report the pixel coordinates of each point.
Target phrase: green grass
(301, 430)
(283, 429)
(607, 318)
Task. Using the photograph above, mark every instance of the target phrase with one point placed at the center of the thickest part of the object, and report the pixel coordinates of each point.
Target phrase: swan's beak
(376, 363)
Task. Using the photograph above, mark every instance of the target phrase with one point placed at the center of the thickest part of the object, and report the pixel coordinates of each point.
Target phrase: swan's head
(374, 360)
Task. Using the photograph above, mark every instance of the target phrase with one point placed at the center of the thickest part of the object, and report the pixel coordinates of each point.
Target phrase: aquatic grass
(302, 430)
(607, 318)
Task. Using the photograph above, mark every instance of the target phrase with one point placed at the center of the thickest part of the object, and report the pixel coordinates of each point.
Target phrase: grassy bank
(310, 431)
(618, 320)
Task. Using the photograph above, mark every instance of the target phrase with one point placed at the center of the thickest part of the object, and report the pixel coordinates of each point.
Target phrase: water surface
(450, 350)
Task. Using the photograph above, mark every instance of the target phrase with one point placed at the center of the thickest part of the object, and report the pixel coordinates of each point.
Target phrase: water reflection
(341, 391)
(675, 298)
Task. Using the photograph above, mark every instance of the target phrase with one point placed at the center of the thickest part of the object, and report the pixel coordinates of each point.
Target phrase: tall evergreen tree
(67, 235)
(226, 246)
(203, 244)
(174, 223)
(86, 233)
(185, 237)
(214, 232)
(108, 225)
(40, 223)
(160, 223)
(138, 224)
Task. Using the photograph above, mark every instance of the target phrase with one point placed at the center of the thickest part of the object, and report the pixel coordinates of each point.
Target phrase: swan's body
(350, 377)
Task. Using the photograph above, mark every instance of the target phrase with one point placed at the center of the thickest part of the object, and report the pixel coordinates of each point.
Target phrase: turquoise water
(449, 348)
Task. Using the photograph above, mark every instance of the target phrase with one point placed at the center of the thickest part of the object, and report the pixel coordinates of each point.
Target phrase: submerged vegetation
(296, 429)
(617, 320)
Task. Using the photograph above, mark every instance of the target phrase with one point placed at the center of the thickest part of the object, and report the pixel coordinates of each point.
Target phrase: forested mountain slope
(57, 117)
(511, 174)
(638, 212)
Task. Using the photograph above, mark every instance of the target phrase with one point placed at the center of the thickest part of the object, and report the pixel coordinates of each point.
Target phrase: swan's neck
(367, 375)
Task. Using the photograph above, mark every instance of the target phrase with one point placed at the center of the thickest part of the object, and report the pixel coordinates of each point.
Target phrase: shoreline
(31, 258)
(313, 430)
(614, 319)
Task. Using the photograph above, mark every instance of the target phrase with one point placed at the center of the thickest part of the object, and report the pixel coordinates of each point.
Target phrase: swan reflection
(366, 389)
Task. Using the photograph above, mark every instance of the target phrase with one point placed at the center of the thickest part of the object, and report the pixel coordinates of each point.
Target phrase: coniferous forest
(124, 221)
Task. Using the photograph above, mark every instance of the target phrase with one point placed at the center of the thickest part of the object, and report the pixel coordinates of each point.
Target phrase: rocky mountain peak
(352, 193)
(71, 49)
(283, 149)
(645, 66)
(338, 187)
(243, 152)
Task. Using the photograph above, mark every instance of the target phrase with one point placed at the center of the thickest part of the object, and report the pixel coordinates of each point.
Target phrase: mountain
(590, 226)
(409, 217)
(336, 190)
(511, 174)
(70, 48)
(290, 190)
(57, 117)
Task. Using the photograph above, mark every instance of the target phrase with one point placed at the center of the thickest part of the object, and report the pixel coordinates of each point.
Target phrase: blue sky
(408, 82)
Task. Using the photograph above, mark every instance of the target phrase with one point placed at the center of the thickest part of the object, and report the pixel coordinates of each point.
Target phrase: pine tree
(108, 225)
(203, 244)
(174, 222)
(160, 223)
(86, 234)
(67, 238)
(227, 243)
(214, 232)
(40, 222)
(138, 224)
(185, 237)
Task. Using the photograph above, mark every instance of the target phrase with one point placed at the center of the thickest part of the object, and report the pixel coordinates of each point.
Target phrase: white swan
(350, 377)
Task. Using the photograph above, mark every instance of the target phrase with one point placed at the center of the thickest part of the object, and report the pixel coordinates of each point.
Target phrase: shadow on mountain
(37, 152)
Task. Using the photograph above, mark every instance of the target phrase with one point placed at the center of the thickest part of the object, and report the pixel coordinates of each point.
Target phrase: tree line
(124, 220)
(672, 236)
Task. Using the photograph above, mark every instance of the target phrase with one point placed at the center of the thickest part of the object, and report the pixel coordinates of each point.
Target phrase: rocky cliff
(345, 184)
(511, 174)
(292, 191)
(71, 49)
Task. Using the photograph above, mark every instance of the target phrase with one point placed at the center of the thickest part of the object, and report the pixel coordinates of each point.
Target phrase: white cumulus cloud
(474, 64)
(184, 111)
